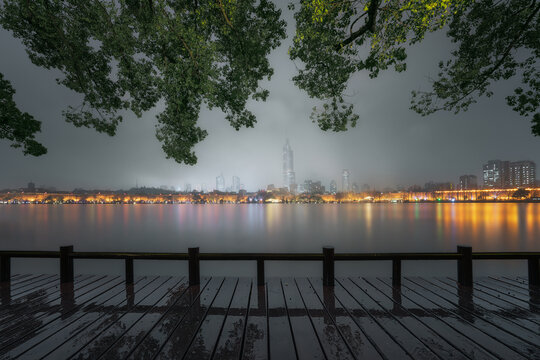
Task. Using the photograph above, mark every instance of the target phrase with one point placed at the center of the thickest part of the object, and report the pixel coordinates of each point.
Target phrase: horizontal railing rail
(463, 256)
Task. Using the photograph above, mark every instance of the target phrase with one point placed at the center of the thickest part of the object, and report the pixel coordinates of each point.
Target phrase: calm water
(273, 228)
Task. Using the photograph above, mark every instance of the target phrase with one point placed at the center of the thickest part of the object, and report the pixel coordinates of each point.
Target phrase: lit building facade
(522, 174)
(289, 177)
(333, 187)
(496, 174)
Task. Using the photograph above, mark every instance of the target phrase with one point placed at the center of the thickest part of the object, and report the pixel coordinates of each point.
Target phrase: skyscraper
(220, 183)
(289, 177)
(522, 173)
(345, 185)
(235, 184)
(333, 187)
(496, 174)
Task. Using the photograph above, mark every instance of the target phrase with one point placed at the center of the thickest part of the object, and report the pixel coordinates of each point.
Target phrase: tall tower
(345, 184)
(289, 177)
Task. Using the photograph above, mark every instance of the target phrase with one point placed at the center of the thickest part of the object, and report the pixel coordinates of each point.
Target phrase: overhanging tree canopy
(131, 54)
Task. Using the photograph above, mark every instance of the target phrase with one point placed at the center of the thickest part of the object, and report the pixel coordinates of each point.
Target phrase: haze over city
(391, 145)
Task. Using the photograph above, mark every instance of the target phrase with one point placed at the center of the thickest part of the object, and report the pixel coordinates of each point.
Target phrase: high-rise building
(345, 184)
(289, 176)
(522, 174)
(235, 184)
(468, 182)
(333, 187)
(220, 183)
(355, 188)
(496, 174)
(187, 188)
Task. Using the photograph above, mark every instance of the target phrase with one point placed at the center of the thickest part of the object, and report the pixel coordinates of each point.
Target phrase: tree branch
(368, 26)
(225, 14)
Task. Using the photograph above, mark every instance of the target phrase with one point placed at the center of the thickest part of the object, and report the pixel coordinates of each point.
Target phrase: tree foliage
(130, 54)
(495, 41)
(133, 54)
(18, 127)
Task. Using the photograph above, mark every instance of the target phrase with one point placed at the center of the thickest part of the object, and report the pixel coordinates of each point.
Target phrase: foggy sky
(391, 145)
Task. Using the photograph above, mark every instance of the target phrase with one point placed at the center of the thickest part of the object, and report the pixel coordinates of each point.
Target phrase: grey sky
(391, 144)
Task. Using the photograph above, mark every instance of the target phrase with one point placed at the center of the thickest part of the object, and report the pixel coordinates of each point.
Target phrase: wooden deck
(231, 318)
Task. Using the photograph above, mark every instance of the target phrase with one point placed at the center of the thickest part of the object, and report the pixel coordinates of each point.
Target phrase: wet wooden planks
(99, 317)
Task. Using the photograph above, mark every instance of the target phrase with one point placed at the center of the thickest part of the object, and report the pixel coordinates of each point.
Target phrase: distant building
(468, 182)
(270, 187)
(345, 185)
(365, 187)
(235, 184)
(31, 187)
(496, 174)
(333, 187)
(220, 183)
(313, 187)
(433, 186)
(187, 188)
(289, 176)
(355, 188)
(522, 174)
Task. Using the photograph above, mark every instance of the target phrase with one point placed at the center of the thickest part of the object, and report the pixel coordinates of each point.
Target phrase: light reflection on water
(275, 228)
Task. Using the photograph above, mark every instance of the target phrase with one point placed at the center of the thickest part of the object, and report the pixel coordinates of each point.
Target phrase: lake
(409, 227)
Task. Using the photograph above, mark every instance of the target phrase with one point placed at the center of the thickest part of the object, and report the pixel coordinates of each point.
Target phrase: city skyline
(390, 146)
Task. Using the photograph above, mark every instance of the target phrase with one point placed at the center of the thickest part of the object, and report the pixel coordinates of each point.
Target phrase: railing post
(260, 272)
(534, 271)
(465, 276)
(328, 266)
(396, 273)
(5, 268)
(129, 271)
(194, 269)
(66, 264)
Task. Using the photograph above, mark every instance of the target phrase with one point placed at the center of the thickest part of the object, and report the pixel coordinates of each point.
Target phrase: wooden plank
(34, 298)
(229, 345)
(255, 342)
(482, 310)
(511, 302)
(182, 336)
(280, 337)
(92, 319)
(483, 333)
(98, 338)
(430, 338)
(422, 309)
(330, 337)
(358, 342)
(28, 278)
(33, 286)
(394, 328)
(205, 340)
(385, 344)
(33, 283)
(32, 331)
(171, 318)
(512, 296)
(516, 282)
(493, 305)
(49, 306)
(308, 345)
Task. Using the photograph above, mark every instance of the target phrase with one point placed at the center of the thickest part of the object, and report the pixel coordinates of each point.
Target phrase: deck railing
(464, 257)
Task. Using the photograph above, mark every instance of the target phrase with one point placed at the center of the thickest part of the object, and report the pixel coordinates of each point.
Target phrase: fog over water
(391, 145)
(427, 227)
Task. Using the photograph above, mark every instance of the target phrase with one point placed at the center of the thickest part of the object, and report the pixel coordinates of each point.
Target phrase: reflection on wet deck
(225, 318)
